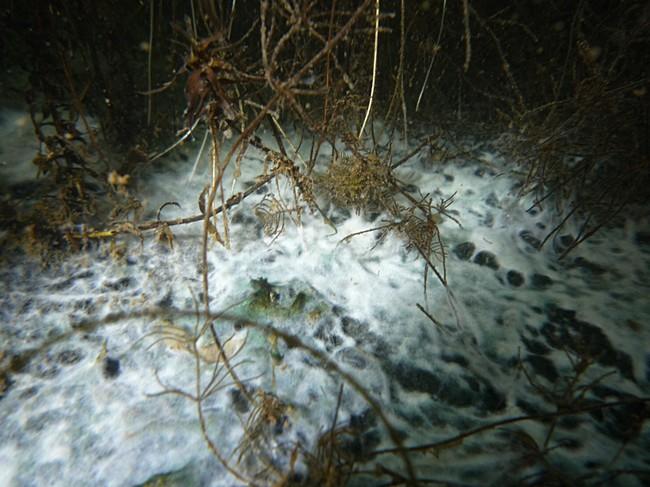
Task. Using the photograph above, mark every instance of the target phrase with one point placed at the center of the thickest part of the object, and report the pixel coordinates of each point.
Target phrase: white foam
(99, 423)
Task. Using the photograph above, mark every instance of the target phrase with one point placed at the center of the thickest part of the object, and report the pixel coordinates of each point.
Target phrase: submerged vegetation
(564, 86)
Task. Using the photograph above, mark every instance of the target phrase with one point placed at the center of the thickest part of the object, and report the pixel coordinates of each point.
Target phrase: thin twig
(374, 70)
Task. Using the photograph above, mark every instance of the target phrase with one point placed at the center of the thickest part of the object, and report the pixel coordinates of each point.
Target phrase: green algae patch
(183, 477)
(291, 302)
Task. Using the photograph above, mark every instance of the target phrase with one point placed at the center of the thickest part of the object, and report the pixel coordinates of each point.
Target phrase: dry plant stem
(194, 32)
(430, 316)
(294, 342)
(572, 395)
(199, 408)
(153, 157)
(468, 45)
(442, 278)
(198, 157)
(408, 156)
(401, 67)
(295, 79)
(436, 48)
(208, 14)
(458, 439)
(505, 65)
(374, 70)
(204, 271)
(152, 225)
(264, 7)
(149, 55)
(79, 108)
(291, 342)
(344, 74)
(209, 320)
(328, 74)
(330, 457)
(398, 91)
(295, 26)
(232, 17)
(565, 69)
(218, 174)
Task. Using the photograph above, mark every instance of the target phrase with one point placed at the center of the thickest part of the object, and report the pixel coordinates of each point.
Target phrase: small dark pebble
(492, 200)
(464, 250)
(413, 378)
(353, 328)
(352, 357)
(570, 422)
(323, 330)
(363, 421)
(339, 216)
(540, 281)
(29, 392)
(69, 357)
(529, 408)
(588, 266)
(515, 278)
(372, 216)
(535, 346)
(242, 218)
(84, 304)
(118, 285)
(481, 171)
(5, 383)
(240, 325)
(530, 239)
(570, 443)
(410, 188)
(532, 330)
(543, 366)
(18, 363)
(167, 301)
(358, 447)
(111, 368)
(46, 371)
(333, 341)
(327, 336)
(642, 238)
(487, 259)
(563, 242)
(564, 331)
(379, 347)
(239, 401)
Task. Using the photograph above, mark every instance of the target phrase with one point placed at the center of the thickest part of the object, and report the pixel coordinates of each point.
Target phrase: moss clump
(359, 183)
(265, 297)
